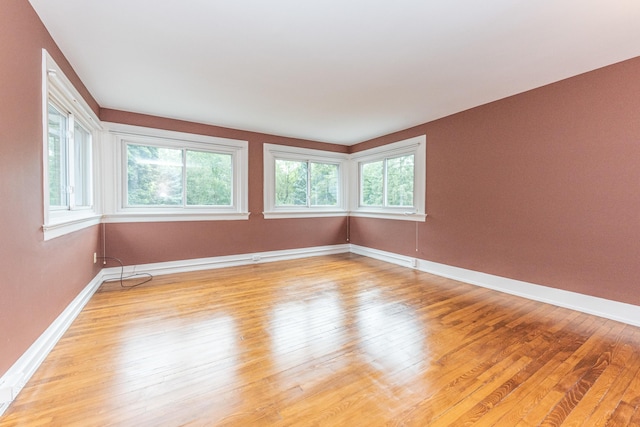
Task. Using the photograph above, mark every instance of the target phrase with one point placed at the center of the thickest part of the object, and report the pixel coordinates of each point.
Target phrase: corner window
(389, 181)
(173, 176)
(302, 182)
(69, 128)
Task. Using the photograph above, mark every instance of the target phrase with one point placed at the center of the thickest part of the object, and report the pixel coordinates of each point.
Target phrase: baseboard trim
(391, 257)
(197, 264)
(20, 372)
(614, 310)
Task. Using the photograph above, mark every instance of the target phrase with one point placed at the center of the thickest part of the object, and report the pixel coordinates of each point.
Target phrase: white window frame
(116, 209)
(59, 91)
(415, 146)
(273, 152)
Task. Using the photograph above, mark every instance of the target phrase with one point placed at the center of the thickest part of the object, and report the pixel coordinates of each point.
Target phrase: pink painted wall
(141, 243)
(38, 279)
(542, 187)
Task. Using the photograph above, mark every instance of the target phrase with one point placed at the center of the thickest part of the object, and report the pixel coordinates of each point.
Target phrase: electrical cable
(148, 276)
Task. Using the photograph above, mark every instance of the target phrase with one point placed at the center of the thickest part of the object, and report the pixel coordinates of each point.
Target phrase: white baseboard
(402, 260)
(197, 264)
(19, 373)
(614, 310)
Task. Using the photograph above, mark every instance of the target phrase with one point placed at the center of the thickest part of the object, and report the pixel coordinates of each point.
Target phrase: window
(69, 127)
(173, 176)
(389, 181)
(305, 183)
(301, 182)
(159, 176)
(69, 161)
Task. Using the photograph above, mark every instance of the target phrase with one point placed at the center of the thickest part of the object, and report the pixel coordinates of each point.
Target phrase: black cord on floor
(148, 276)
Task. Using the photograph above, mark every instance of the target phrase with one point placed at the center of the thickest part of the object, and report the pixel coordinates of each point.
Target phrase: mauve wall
(543, 187)
(38, 279)
(140, 243)
(540, 187)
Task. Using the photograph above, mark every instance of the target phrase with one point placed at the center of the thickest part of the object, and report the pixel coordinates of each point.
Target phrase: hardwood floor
(336, 341)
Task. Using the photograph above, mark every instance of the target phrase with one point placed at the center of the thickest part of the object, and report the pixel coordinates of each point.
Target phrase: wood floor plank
(341, 340)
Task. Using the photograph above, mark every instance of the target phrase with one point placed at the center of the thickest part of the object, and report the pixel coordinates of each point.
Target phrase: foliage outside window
(58, 176)
(387, 182)
(303, 182)
(306, 183)
(174, 176)
(161, 176)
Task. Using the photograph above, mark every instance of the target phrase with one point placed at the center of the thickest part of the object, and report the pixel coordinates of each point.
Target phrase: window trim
(116, 209)
(415, 146)
(58, 90)
(271, 152)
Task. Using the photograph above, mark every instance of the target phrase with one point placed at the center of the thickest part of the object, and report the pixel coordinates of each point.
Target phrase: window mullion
(184, 177)
(308, 184)
(71, 162)
(385, 186)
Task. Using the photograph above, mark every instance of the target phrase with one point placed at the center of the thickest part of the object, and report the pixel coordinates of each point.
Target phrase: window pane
(82, 154)
(291, 183)
(324, 184)
(154, 176)
(400, 181)
(58, 180)
(209, 178)
(371, 185)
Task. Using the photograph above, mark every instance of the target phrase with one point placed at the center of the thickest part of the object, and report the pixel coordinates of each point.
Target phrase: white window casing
(415, 146)
(116, 208)
(67, 217)
(274, 152)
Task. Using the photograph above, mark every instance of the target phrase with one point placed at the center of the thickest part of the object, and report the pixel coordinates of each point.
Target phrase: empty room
(332, 213)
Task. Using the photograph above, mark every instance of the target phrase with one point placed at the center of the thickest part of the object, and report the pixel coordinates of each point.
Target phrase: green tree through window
(324, 184)
(303, 183)
(57, 124)
(387, 182)
(209, 178)
(400, 181)
(155, 177)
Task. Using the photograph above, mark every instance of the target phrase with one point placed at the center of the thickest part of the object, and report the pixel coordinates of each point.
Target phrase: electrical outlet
(95, 257)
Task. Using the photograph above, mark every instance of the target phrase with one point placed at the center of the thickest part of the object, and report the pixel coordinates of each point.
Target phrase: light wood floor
(335, 341)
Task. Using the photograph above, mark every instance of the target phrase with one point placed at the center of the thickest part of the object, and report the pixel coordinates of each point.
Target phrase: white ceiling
(340, 71)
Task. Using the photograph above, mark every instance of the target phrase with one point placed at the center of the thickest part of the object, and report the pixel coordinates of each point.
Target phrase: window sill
(174, 217)
(64, 226)
(401, 216)
(303, 214)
